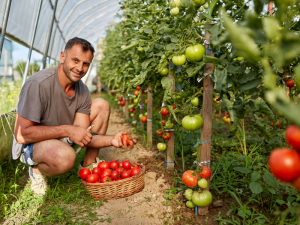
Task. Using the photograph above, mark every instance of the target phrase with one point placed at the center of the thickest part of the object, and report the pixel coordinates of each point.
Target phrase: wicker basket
(117, 189)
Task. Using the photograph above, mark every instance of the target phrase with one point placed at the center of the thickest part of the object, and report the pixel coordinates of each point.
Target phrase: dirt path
(145, 207)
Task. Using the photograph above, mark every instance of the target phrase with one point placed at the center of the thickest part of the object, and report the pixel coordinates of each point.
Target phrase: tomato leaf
(255, 187)
(220, 77)
(250, 85)
(209, 59)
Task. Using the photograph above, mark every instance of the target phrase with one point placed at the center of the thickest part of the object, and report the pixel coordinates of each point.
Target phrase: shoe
(38, 182)
(91, 166)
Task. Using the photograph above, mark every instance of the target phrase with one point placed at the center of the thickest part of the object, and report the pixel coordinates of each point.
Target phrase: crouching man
(53, 113)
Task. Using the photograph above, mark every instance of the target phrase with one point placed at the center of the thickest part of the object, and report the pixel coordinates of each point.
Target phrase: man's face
(76, 62)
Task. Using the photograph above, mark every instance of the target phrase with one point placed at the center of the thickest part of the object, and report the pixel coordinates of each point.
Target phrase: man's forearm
(35, 134)
(100, 141)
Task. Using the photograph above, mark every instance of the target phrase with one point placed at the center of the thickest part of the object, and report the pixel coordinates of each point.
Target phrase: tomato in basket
(135, 171)
(126, 165)
(126, 174)
(114, 165)
(105, 179)
(105, 173)
(92, 178)
(83, 173)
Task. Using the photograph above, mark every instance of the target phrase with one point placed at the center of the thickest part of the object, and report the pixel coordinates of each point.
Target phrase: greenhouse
(150, 112)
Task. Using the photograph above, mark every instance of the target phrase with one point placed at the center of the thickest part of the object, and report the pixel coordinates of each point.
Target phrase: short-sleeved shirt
(43, 101)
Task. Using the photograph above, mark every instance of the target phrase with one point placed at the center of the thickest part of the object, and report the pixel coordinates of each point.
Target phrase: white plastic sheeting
(73, 18)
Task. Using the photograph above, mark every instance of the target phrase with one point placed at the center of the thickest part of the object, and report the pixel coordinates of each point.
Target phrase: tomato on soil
(190, 178)
(166, 136)
(205, 173)
(284, 164)
(114, 165)
(164, 111)
(144, 119)
(126, 174)
(126, 165)
(96, 170)
(292, 135)
(92, 178)
(126, 138)
(159, 132)
(135, 171)
(83, 173)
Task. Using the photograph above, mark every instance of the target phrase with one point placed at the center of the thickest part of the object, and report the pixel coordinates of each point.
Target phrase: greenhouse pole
(31, 43)
(49, 35)
(4, 24)
(170, 148)
(207, 108)
(149, 116)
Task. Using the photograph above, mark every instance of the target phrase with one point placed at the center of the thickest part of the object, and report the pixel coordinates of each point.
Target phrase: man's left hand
(117, 142)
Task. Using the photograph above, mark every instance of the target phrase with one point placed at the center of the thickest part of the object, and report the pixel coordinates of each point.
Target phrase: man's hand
(80, 135)
(116, 141)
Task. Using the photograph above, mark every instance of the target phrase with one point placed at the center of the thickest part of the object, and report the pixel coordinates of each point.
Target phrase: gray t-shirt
(42, 100)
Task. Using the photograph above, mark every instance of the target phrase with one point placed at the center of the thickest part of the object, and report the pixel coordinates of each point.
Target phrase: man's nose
(79, 67)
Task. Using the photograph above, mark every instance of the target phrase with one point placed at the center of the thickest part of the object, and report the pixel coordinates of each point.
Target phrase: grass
(9, 95)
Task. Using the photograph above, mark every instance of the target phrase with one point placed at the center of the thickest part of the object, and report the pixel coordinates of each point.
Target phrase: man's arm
(26, 131)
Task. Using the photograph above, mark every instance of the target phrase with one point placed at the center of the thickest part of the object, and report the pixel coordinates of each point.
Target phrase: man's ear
(62, 57)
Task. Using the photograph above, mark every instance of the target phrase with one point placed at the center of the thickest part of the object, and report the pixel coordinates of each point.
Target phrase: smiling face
(76, 62)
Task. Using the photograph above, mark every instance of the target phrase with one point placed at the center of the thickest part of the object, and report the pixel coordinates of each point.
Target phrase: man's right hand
(79, 135)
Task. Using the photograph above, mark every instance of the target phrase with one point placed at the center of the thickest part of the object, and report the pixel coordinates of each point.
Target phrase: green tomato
(161, 146)
(195, 53)
(203, 183)
(174, 11)
(137, 100)
(169, 125)
(188, 194)
(205, 5)
(179, 60)
(146, 114)
(164, 72)
(179, 80)
(203, 199)
(116, 99)
(175, 3)
(130, 106)
(192, 123)
(140, 49)
(201, 9)
(195, 101)
(134, 122)
(199, 2)
(117, 86)
(240, 58)
(140, 116)
(190, 204)
(132, 114)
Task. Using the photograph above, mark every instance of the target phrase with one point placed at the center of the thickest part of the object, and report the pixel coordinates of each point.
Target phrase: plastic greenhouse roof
(73, 18)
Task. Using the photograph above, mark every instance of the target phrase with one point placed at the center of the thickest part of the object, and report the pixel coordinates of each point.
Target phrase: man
(54, 111)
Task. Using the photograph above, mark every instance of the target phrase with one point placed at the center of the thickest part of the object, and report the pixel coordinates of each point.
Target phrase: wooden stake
(149, 116)
(207, 109)
(125, 108)
(142, 108)
(170, 149)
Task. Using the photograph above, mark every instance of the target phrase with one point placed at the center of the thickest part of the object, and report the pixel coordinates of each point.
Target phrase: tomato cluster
(284, 163)
(192, 179)
(109, 172)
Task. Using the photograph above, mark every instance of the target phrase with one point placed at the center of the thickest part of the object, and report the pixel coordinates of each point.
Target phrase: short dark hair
(86, 46)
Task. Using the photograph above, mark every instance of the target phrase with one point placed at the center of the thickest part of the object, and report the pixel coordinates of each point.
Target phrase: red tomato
(96, 170)
(131, 110)
(290, 83)
(205, 173)
(143, 91)
(105, 179)
(120, 169)
(118, 179)
(121, 164)
(284, 164)
(126, 138)
(159, 131)
(114, 175)
(278, 123)
(135, 171)
(138, 88)
(122, 103)
(120, 99)
(83, 173)
(163, 122)
(166, 135)
(134, 165)
(190, 178)
(292, 135)
(174, 106)
(114, 165)
(144, 119)
(105, 173)
(92, 178)
(136, 93)
(126, 165)
(126, 174)
(164, 111)
(103, 165)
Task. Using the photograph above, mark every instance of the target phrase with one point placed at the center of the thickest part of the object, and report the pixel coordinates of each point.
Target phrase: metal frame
(4, 24)
(32, 41)
(49, 35)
